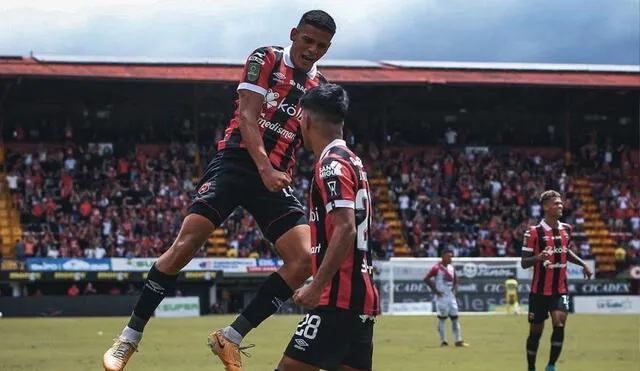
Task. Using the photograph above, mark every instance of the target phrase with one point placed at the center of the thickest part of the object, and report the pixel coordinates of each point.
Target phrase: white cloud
(374, 29)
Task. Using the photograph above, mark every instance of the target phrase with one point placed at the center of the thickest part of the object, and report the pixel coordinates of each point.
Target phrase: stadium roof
(342, 71)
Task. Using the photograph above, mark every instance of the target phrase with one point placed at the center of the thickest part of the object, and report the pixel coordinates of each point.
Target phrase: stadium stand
(493, 141)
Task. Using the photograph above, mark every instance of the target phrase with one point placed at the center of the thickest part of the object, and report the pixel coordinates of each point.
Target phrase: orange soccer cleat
(228, 352)
(116, 357)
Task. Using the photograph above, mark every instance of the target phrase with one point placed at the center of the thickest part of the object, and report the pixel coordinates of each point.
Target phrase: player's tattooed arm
(575, 259)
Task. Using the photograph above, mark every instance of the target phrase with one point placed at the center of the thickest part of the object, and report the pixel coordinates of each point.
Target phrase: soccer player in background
(337, 333)
(252, 169)
(546, 248)
(446, 288)
(511, 295)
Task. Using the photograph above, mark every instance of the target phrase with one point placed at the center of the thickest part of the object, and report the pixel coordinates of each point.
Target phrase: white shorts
(446, 306)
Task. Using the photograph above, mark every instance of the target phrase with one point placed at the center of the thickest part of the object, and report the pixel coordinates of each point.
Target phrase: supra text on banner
(68, 264)
(185, 306)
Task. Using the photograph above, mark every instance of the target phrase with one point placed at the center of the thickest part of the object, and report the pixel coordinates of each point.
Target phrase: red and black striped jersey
(340, 182)
(269, 71)
(549, 276)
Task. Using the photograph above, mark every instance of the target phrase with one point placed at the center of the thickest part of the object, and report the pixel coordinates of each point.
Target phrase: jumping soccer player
(511, 295)
(546, 249)
(337, 333)
(446, 289)
(252, 168)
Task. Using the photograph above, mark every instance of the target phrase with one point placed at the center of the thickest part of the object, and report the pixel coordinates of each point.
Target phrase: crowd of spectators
(92, 201)
(85, 201)
(477, 203)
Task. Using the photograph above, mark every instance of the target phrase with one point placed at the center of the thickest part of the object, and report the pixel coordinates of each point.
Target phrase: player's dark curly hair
(319, 19)
(547, 195)
(328, 100)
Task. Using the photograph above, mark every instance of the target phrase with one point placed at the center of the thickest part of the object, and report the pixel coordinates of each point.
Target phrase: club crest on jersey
(204, 188)
(332, 170)
(332, 188)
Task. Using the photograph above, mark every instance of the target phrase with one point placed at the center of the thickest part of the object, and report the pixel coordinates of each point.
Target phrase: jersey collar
(289, 63)
(548, 227)
(336, 142)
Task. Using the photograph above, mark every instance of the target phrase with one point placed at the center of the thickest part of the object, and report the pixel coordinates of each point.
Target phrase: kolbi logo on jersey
(271, 101)
(292, 110)
(556, 250)
(332, 170)
(314, 216)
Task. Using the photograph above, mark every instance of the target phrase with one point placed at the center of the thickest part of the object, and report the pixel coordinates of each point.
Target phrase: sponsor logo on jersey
(316, 249)
(332, 170)
(277, 127)
(366, 268)
(356, 161)
(314, 216)
(292, 110)
(204, 188)
(556, 250)
(279, 77)
(298, 86)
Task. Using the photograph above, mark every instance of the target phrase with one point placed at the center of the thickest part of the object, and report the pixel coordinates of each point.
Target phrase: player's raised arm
(529, 243)
(251, 92)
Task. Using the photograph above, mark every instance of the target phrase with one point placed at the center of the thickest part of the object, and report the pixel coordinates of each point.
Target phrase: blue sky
(543, 31)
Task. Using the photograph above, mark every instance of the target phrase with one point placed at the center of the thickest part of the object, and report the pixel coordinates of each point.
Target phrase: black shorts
(330, 337)
(232, 180)
(541, 305)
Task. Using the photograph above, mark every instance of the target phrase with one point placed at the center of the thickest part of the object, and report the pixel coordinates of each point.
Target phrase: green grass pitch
(401, 343)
